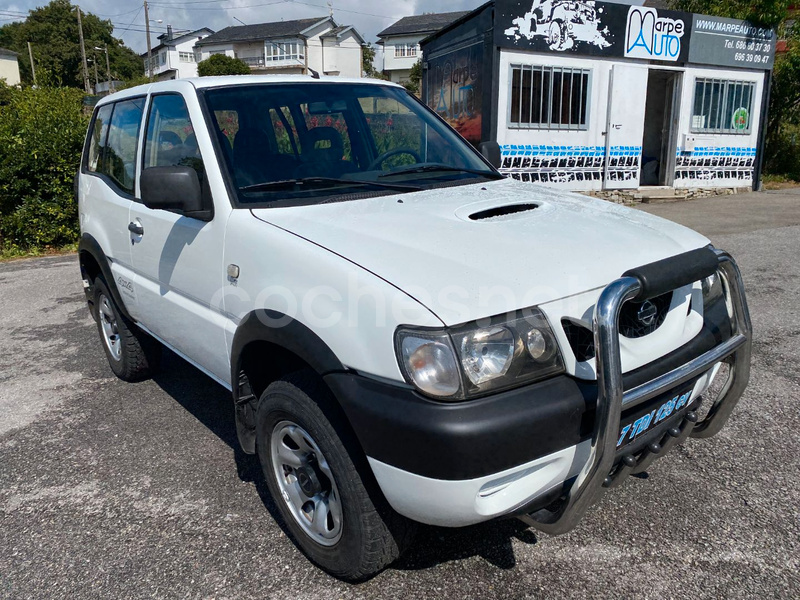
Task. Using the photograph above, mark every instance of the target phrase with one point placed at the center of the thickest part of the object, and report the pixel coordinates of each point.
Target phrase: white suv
(408, 336)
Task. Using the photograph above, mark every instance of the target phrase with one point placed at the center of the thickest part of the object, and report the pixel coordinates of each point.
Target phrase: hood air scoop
(497, 212)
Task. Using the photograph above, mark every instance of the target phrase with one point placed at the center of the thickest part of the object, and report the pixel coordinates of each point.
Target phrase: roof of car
(229, 80)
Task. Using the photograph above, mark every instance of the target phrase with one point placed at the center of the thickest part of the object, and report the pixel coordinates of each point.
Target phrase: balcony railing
(253, 61)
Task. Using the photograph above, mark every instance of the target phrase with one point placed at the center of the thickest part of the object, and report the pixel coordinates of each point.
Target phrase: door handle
(135, 228)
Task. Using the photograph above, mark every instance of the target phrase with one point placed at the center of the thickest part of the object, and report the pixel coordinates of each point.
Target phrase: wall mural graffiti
(592, 28)
(714, 164)
(453, 90)
(566, 164)
(562, 23)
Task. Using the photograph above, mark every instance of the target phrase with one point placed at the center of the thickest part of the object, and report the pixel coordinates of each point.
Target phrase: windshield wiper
(290, 183)
(425, 168)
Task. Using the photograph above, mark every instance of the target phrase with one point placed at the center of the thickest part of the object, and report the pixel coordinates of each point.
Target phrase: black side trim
(89, 245)
(671, 273)
(281, 330)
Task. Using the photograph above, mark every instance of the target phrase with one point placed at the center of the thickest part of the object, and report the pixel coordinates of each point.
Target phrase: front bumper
(454, 464)
(647, 282)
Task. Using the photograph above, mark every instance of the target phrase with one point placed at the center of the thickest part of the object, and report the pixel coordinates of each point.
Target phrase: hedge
(41, 137)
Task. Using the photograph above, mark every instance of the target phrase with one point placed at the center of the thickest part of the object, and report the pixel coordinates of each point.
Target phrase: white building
(174, 57)
(9, 67)
(291, 46)
(593, 95)
(401, 40)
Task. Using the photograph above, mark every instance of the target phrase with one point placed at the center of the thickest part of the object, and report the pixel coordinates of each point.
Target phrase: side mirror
(491, 152)
(172, 188)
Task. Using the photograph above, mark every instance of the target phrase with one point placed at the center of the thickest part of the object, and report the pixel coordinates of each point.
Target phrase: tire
(132, 354)
(361, 534)
(556, 36)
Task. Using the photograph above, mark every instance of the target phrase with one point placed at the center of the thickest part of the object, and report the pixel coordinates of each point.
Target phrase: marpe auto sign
(650, 36)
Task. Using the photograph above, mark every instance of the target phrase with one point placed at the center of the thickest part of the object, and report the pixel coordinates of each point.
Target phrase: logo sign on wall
(592, 28)
(653, 37)
(732, 43)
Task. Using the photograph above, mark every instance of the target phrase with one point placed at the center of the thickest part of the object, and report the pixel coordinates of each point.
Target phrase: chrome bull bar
(646, 282)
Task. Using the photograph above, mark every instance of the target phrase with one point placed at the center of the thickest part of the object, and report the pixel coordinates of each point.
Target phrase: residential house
(174, 57)
(400, 41)
(288, 47)
(9, 67)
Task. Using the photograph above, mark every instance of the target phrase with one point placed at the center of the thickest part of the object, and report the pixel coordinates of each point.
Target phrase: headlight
(428, 361)
(471, 360)
(712, 288)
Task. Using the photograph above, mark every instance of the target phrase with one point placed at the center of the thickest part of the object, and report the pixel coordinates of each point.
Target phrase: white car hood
(425, 244)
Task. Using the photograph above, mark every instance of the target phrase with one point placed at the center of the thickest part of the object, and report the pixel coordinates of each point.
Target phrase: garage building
(605, 96)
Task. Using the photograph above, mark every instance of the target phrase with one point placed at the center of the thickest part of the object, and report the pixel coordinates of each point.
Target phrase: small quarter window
(97, 139)
(119, 158)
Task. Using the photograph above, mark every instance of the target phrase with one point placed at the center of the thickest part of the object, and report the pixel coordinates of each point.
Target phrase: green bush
(220, 64)
(41, 137)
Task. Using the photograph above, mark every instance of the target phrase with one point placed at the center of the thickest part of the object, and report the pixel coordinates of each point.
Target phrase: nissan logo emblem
(647, 313)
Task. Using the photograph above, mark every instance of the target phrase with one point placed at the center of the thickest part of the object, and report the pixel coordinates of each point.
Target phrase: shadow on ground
(211, 405)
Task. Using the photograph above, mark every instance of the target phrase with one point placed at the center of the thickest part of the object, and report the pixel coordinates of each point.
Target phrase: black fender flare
(276, 328)
(89, 245)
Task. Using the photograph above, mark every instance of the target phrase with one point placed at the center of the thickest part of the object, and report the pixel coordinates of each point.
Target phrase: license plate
(641, 424)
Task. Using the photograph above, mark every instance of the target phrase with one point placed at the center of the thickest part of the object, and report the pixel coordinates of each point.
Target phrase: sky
(369, 17)
(128, 15)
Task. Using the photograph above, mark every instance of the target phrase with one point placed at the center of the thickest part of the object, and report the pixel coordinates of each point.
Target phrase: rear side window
(97, 141)
(119, 158)
(171, 140)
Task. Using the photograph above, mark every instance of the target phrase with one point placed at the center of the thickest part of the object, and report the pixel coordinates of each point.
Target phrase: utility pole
(149, 49)
(33, 67)
(96, 80)
(108, 70)
(108, 66)
(86, 84)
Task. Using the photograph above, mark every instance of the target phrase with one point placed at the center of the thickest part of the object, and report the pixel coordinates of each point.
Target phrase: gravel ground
(123, 490)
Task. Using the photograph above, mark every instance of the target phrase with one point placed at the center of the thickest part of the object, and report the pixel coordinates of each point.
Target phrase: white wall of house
(572, 158)
(342, 56)
(399, 67)
(177, 60)
(9, 69)
(329, 56)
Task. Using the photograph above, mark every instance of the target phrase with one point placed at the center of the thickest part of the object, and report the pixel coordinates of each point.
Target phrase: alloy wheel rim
(306, 483)
(108, 322)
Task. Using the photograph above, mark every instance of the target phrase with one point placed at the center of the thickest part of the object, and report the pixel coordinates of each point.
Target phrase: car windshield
(305, 143)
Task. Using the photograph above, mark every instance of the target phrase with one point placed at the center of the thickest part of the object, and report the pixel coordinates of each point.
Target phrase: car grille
(581, 338)
(631, 324)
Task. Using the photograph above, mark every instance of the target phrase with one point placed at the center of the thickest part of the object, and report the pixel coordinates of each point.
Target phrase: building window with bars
(549, 97)
(278, 51)
(722, 106)
(186, 57)
(405, 50)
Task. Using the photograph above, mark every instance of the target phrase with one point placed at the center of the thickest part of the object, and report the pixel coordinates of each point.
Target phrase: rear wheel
(132, 354)
(321, 483)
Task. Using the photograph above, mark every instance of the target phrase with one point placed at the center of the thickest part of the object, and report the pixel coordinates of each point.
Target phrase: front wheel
(321, 483)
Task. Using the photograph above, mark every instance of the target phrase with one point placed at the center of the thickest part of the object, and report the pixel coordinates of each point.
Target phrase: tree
(221, 64)
(367, 60)
(53, 33)
(768, 13)
(414, 78)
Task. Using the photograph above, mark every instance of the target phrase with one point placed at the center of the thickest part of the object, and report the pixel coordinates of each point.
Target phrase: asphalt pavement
(119, 490)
